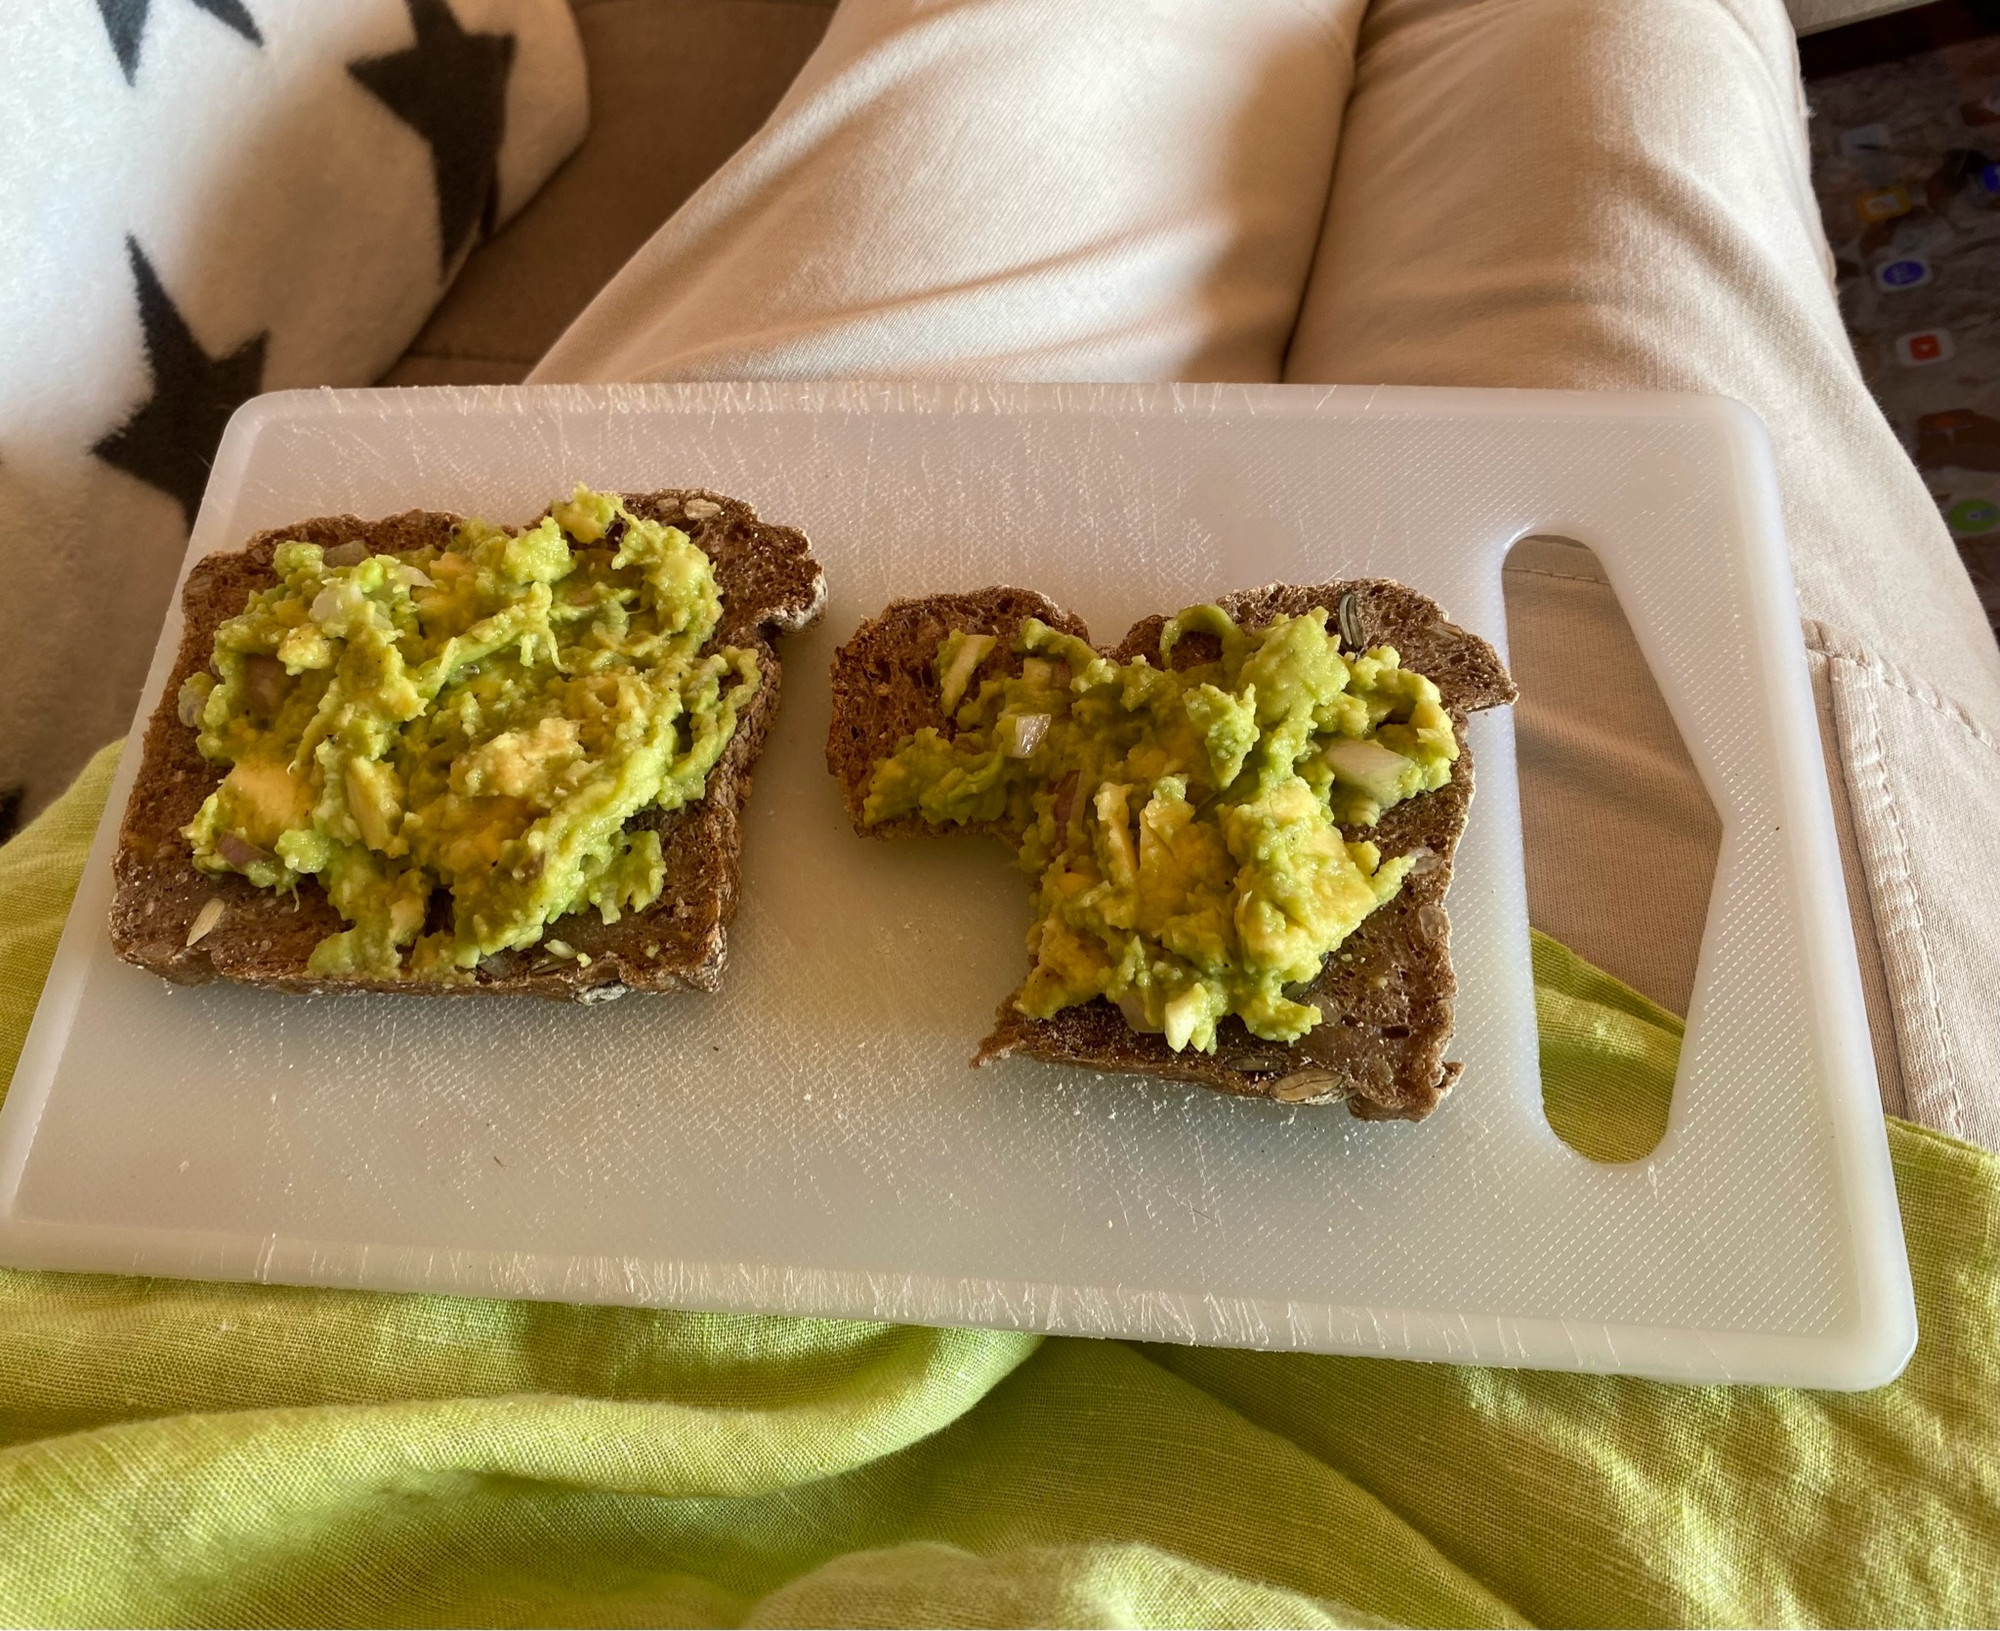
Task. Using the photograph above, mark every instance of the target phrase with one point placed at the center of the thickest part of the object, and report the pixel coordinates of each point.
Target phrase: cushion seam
(1819, 637)
(1952, 1107)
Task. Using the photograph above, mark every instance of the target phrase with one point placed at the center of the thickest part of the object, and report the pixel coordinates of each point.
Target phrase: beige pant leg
(1592, 194)
(1003, 189)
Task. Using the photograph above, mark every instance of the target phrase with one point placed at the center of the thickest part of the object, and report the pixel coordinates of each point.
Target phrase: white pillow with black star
(206, 199)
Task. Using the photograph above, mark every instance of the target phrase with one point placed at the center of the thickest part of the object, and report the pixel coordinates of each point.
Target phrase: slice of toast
(770, 584)
(1385, 994)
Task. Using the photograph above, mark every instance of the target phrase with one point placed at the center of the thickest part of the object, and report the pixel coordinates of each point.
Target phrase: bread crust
(770, 584)
(1386, 995)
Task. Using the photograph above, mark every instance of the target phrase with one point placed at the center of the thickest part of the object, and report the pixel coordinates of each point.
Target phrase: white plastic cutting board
(810, 1139)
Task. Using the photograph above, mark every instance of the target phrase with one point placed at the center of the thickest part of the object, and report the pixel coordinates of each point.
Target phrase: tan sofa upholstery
(676, 87)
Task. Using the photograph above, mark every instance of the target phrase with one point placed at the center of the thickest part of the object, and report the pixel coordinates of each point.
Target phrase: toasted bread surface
(1385, 995)
(770, 584)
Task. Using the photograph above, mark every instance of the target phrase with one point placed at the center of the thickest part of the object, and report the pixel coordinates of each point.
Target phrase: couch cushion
(676, 86)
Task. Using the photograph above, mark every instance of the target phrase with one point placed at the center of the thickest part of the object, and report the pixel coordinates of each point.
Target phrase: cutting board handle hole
(1620, 837)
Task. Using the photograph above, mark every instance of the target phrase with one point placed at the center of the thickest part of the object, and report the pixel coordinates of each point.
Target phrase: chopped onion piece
(1021, 734)
(414, 576)
(239, 852)
(1133, 1007)
(264, 681)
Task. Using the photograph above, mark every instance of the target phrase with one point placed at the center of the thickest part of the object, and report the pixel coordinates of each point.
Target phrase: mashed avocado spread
(1188, 826)
(481, 719)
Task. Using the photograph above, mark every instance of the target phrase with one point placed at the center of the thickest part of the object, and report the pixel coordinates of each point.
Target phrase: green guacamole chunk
(1189, 828)
(481, 719)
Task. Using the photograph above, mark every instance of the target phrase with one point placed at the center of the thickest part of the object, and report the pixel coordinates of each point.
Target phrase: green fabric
(176, 1452)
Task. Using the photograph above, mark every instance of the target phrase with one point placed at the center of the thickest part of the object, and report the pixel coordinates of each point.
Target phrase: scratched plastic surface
(810, 1139)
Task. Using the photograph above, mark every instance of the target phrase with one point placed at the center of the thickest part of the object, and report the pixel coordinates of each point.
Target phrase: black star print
(125, 22)
(169, 442)
(451, 88)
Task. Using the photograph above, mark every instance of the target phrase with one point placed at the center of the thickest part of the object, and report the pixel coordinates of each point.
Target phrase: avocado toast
(1371, 1024)
(197, 899)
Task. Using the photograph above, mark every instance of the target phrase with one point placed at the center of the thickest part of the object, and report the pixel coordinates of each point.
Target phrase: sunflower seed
(1349, 619)
(206, 919)
(1302, 1085)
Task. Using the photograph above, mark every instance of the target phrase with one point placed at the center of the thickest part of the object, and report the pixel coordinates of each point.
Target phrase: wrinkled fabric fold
(183, 1453)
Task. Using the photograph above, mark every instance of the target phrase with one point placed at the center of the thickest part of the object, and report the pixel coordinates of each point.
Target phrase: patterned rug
(1906, 162)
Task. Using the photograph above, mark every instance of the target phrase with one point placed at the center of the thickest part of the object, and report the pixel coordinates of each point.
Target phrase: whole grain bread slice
(770, 584)
(1386, 995)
